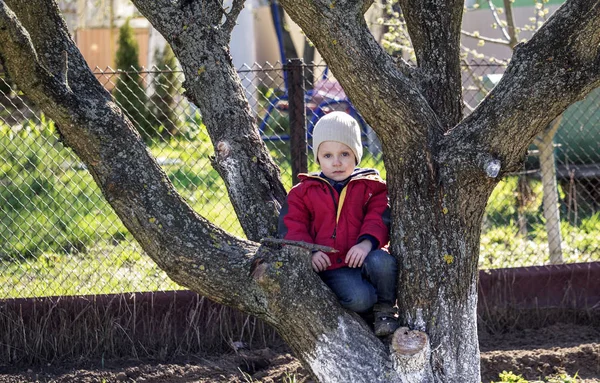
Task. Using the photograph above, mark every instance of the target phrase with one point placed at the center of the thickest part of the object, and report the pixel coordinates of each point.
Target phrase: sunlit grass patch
(104, 269)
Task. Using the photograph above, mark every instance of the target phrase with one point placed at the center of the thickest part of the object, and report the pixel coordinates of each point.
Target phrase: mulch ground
(535, 354)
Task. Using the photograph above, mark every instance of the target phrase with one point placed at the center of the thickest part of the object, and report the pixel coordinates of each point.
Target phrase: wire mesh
(548, 212)
(58, 236)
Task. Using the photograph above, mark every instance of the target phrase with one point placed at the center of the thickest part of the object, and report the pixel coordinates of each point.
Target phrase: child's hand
(320, 261)
(357, 253)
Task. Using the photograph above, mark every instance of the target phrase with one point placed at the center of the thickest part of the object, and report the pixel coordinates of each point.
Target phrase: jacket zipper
(335, 204)
(331, 191)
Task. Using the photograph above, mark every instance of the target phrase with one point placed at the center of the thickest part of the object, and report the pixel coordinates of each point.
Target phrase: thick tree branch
(16, 42)
(434, 29)
(377, 85)
(202, 46)
(132, 182)
(558, 66)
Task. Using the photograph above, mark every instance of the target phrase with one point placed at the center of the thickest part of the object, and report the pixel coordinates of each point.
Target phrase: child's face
(336, 159)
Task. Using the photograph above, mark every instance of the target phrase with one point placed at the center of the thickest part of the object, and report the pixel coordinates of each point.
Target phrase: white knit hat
(339, 127)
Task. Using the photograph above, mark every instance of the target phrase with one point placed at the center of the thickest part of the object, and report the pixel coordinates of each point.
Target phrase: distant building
(94, 25)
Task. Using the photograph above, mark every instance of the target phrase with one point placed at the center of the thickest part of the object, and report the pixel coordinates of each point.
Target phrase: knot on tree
(223, 149)
(492, 168)
(275, 265)
(490, 164)
(410, 352)
(264, 269)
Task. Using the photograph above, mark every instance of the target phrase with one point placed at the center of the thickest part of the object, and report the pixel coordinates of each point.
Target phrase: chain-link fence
(58, 236)
(550, 211)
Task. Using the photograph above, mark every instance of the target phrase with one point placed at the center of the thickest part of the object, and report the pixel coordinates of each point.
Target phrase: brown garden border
(160, 325)
(537, 296)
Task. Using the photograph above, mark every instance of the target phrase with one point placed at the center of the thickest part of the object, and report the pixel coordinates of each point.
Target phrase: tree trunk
(436, 227)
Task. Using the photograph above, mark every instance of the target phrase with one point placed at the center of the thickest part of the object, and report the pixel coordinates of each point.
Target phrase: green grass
(503, 246)
(58, 236)
(48, 203)
(103, 269)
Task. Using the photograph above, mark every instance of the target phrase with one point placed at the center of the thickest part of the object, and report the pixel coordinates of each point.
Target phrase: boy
(345, 208)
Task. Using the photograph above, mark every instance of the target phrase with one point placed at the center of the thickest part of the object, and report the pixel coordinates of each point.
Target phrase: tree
(129, 90)
(441, 168)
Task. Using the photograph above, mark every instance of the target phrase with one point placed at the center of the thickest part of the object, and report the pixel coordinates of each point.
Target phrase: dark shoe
(385, 320)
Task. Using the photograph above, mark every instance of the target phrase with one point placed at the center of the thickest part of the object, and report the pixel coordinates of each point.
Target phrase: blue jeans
(359, 288)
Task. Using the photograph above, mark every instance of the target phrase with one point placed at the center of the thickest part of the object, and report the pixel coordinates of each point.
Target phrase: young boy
(345, 208)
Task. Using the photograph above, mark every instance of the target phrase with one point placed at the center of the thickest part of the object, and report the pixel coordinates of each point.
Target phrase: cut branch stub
(302, 244)
(410, 354)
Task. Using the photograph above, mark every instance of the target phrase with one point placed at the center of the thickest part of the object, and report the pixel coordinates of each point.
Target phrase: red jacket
(315, 212)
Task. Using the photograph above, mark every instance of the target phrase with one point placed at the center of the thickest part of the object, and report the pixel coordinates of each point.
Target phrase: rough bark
(439, 180)
(434, 29)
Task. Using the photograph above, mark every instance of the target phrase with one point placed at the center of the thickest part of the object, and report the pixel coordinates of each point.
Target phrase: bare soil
(535, 354)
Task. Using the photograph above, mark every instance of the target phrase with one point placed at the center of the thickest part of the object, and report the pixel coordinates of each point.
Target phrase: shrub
(129, 91)
(166, 85)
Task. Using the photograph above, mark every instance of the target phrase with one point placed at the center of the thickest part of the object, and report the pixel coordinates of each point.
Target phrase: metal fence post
(545, 143)
(298, 147)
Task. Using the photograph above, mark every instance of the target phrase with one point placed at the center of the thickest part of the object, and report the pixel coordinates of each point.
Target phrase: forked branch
(232, 15)
(558, 66)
